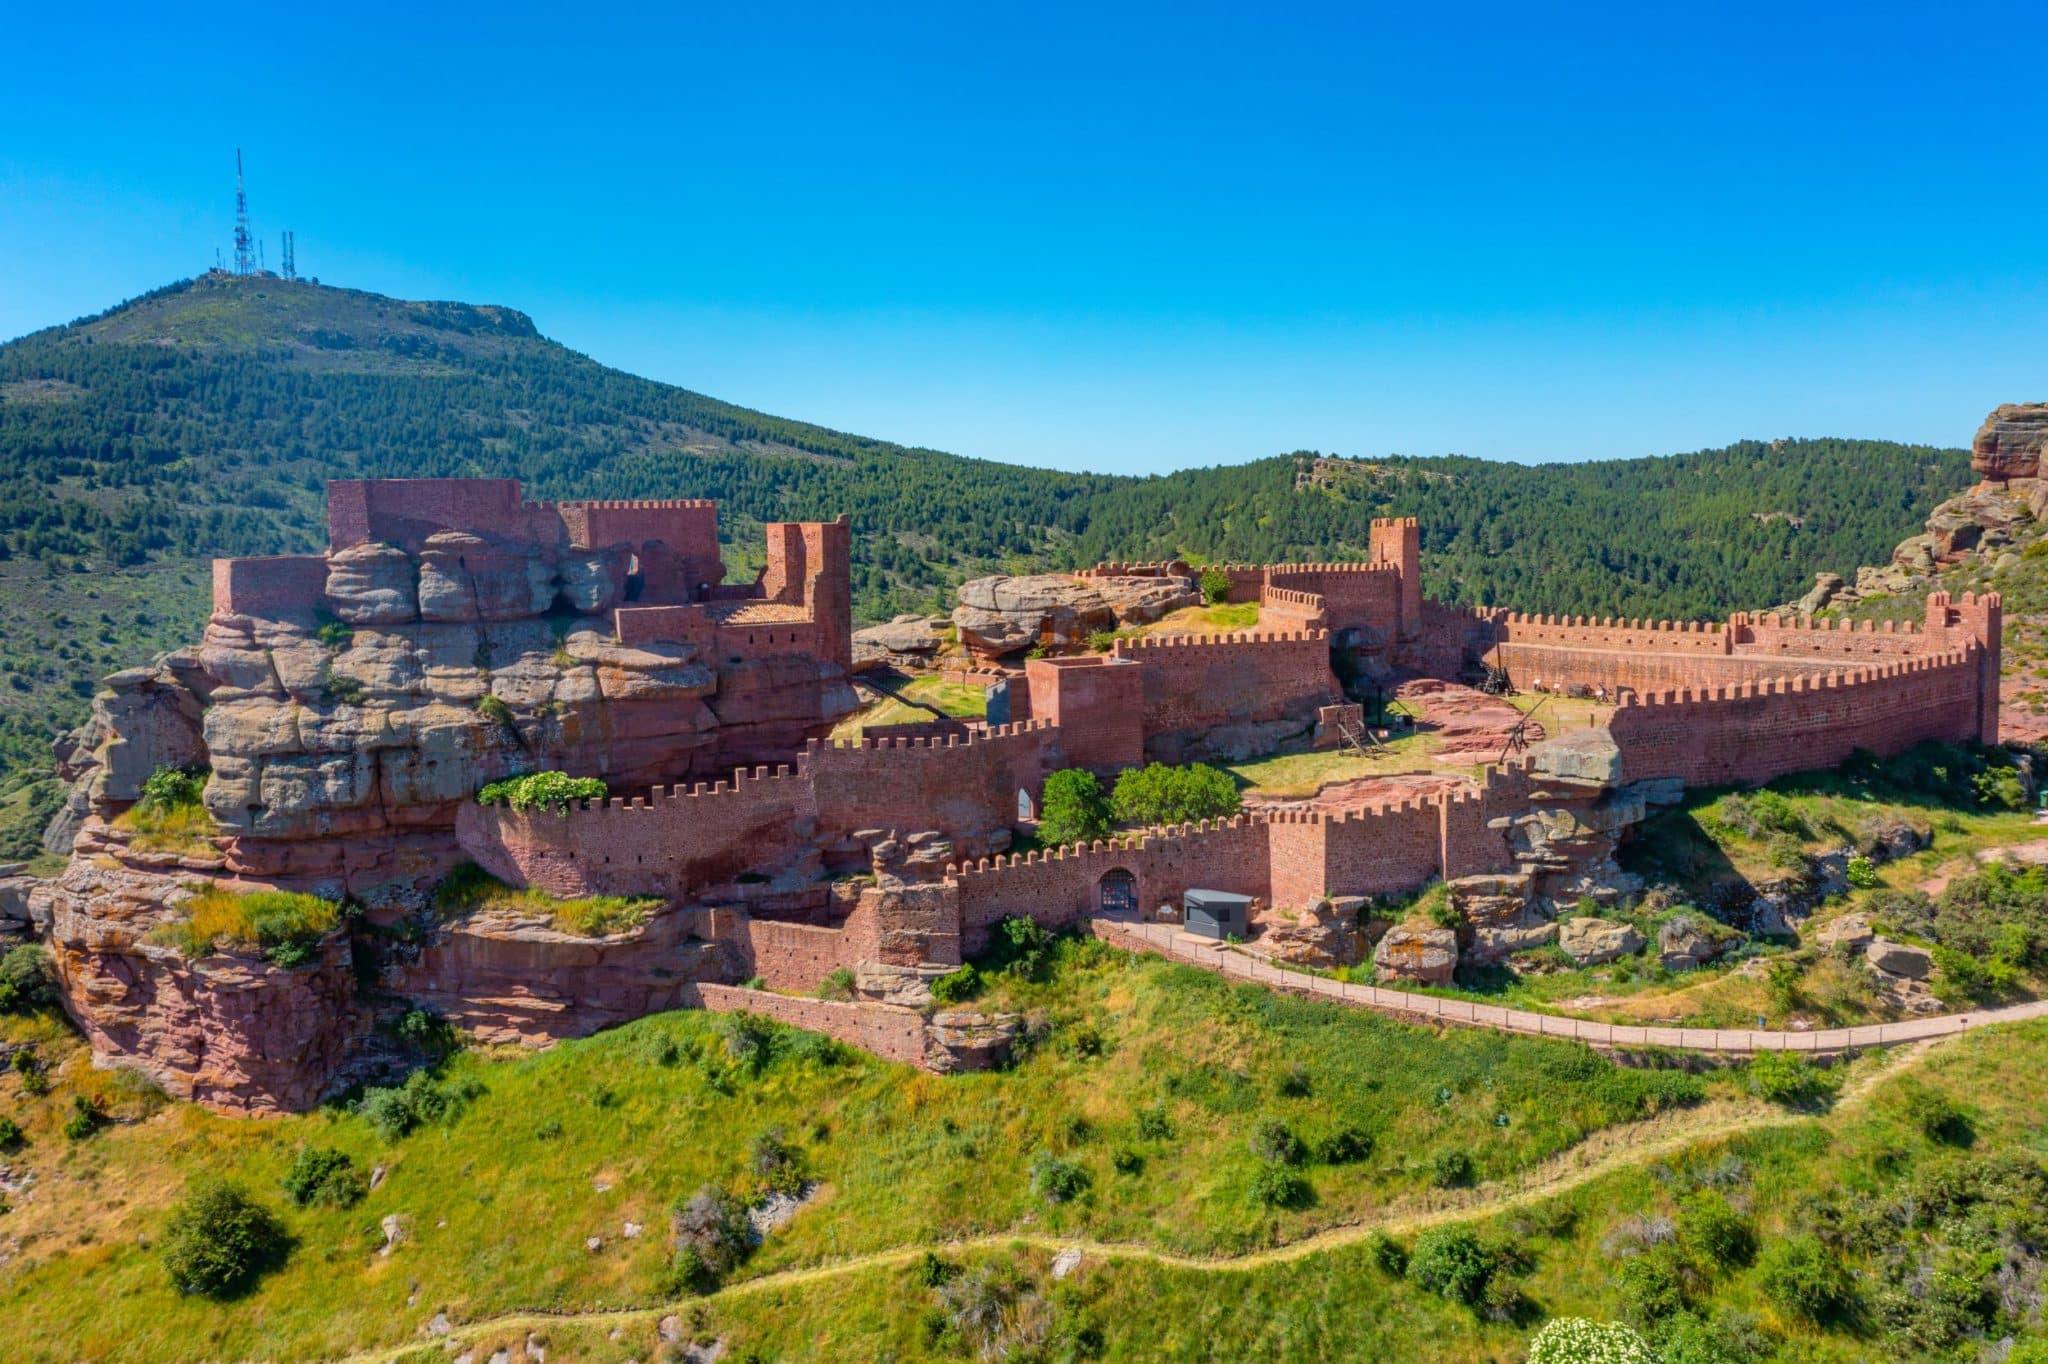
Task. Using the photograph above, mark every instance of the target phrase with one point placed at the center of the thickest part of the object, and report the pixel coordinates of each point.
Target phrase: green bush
(1215, 586)
(1126, 1161)
(1451, 1262)
(1345, 1146)
(11, 1136)
(494, 710)
(711, 1235)
(554, 792)
(26, 980)
(1649, 1287)
(424, 1098)
(778, 1165)
(218, 1240)
(2001, 788)
(1804, 1277)
(1160, 794)
(1787, 1077)
(958, 986)
(325, 1176)
(1388, 1255)
(1056, 1180)
(1154, 1125)
(838, 984)
(1276, 1186)
(1273, 1141)
(172, 788)
(84, 1120)
(1101, 641)
(427, 1032)
(1930, 1112)
(1861, 873)
(1072, 808)
(1713, 1233)
(1451, 1169)
(35, 1076)
(343, 690)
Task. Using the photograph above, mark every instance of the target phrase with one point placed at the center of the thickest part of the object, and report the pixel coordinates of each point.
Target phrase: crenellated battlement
(1144, 644)
(968, 738)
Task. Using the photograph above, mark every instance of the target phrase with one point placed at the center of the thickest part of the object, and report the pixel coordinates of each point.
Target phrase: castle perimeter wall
(679, 840)
(892, 1033)
(1202, 682)
(1745, 735)
(269, 586)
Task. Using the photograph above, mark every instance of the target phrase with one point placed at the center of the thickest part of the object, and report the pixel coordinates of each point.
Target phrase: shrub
(1800, 1275)
(333, 632)
(1160, 794)
(711, 1234)
(748, 1039)
(1575, 1340)
(35, 1076)
(554, 792)
(285, 926)
(1713, 1233)
(837, 984)
(1276, 1186)
(1649, 1288)
(218, 1240)
(2001, 788)
(956, 987)
(26, 981)
(84, 1120)
(1388, 1255)
(324, 1176)
(1126, 1161)
(11, 1135)
(1931, 1113)
(1154, 1125)
(494, 710)
(469, 889)
(1056, 1180)
(395, 1110)
(1451, 1169)
(1294, 1081)
(1861, 872)
(343, 690)
(1101, 641)
(1274, 1142)
(1787, 1077)
(1451, 1262)
(1081, 1042)
(426, 1031)
(1345, 1146)
(1072, 808)
(1215, 586)
(171, 788)
(778, 1165)
(1020, 947)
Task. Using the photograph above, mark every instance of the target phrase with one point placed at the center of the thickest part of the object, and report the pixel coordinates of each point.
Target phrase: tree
(1072, 808)
(219, 1240)
(1451, 1262)
(1161, 794)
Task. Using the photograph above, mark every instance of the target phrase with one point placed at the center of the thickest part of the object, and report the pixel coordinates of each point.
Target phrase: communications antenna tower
(288, 263)
(245, 243)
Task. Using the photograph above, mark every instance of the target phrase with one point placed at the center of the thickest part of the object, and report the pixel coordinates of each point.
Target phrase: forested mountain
(204, 419)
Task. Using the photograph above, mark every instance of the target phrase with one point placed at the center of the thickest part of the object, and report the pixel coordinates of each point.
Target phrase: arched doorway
(1026, 811)
(1118, 892)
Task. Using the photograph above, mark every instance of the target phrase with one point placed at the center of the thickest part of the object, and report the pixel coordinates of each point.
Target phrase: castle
(349, 705)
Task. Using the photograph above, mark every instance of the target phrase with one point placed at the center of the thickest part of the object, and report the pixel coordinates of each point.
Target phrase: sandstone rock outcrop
(1325, 935)
(999, 616)
(1593, 942)
(2010, 442)
(905, 642)
(968, 1039)
(1422, 953)
(1899, 959)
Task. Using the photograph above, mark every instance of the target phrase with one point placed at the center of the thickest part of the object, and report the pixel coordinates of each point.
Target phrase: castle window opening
(1025, 812)
(1118, 892)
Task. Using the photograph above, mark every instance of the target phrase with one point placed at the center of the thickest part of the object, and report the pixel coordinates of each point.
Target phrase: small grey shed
(1215, 913)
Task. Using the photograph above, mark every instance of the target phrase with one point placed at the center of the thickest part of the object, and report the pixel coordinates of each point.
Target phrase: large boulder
(1140, 601)
(466, 577)
(1898, 959)
(1686, 941)
(1325, 935)
(2009, 443)
(967, 1039)
(1499, 916)
(1422, 953)
(1590, 942)
(1002, 615)
(905, 642)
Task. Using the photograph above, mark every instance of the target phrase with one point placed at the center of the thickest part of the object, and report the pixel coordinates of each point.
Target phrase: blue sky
(1127, 240)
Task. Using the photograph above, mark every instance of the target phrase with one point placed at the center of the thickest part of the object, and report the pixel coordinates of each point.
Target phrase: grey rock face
(1591, 942)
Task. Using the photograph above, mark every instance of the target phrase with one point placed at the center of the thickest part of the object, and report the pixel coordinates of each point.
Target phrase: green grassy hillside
(206, 417)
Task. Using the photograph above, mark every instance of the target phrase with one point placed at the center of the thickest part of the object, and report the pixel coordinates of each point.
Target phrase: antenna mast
(245, 245)
(288, 262)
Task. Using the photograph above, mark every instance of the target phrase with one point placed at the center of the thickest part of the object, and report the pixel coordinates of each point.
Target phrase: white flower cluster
(1575, 1340)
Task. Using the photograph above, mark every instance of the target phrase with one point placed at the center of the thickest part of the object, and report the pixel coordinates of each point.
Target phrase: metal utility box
(1214, 913)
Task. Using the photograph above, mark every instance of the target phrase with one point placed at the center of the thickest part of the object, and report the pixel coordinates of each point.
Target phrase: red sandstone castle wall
(269, 586)
(1355, 596)
(891, 1033)
(1097, 703)
(1285, 609)
(1749, 734)
(1195, 683)
(688, 529)
(958, 782)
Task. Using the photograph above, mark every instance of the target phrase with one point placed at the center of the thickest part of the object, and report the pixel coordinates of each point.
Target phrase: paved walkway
(1168, 941)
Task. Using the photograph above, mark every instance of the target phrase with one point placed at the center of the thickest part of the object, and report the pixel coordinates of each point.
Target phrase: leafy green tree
(1160, 794)
(1072, 808)
(1452, 1263)
(219, 1240)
